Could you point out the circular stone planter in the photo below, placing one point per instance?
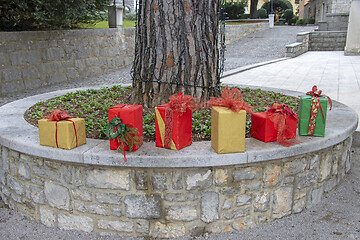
(163, 193)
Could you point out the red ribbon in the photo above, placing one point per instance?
(232, 99)
(169, 118)
(315, 105)
(317, 93)
(57, 116)
(279, 113)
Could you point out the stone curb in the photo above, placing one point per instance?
(17, 134)
(248, 67)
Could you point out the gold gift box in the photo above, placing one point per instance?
(66, 138)
(227, 130)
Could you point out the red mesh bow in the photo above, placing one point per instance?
(58, 115)
(279, 114)
(180, 103)
(232, 99)
(282, 108)
(315, 105)
(317, 93)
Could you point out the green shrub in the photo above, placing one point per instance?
(130, 17)
(294, 19)
(278, 5)
(311, 21)
(262, 13)
(300, 22)
(235, 10)
(18, 15)
(288, 15)
(305, 21)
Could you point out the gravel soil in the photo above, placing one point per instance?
(262, 46)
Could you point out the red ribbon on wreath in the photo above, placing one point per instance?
(179, 103)
(57, 116)
(315, 105)
(279, 113)
(232, 99)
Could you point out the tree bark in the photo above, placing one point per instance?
(253, 9)
(176, 50)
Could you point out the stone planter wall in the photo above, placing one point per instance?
(168, 202)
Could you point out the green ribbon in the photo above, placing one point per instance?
(115, 128)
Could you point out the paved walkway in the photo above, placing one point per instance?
(333, 72)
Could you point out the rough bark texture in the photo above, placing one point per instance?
(253, 9)
(176, 50)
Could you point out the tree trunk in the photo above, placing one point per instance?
(253, 9)
(176, 50)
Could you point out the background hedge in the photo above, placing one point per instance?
(20, 15)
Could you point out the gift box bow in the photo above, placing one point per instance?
(317, 94)
(181, 103)
(279, 114)
(57, 115)
(315, 105)
(232, 99)
(283, 109)
(124, 133)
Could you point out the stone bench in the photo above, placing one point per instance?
(163, 193)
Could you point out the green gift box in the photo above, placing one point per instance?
(304, 116)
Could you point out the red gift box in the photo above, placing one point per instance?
(263, 127)
(130, 115)
(173, 129)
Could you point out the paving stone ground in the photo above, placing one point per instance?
(336, 217)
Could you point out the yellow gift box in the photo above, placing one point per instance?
(227, 130)
(66, 134)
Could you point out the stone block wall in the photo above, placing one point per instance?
(334, 22)
(168, 202)
(327, 41)
(301, 46)
(30, 60)
(235, 32)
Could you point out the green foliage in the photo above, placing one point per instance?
(199, 125)
(288, 15)
(294, 19)
(102, 125)
(149, 125)
(235, 10)
(245, 16)
(278, 5)
(262, 13)
(20, 15)
(130, 17)
(311, 21)
(305, 21)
